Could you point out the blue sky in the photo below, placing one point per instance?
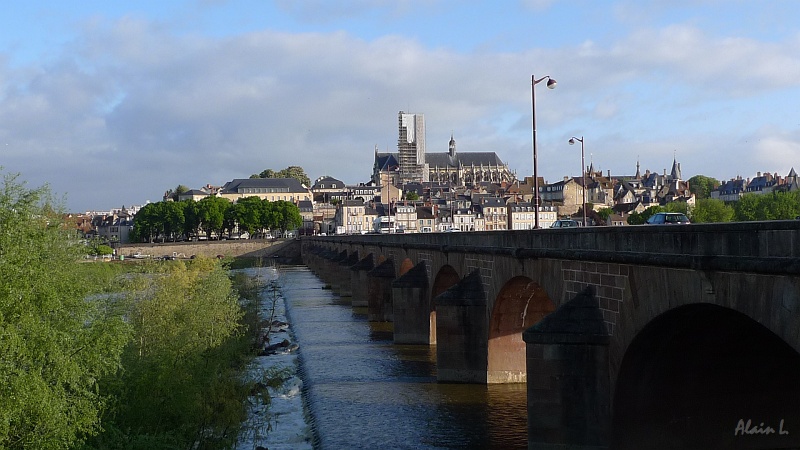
(111, 103)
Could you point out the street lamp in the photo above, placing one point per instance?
(583, 174)
(551, 84)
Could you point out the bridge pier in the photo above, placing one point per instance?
(329, 269)
(342, 282)
(568, 380)
(379, 292)
(412, 307)
(359, 280)
(462, 332)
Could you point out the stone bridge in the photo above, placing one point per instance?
(631, 337)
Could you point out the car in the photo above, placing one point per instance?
(666, 218)
(564, 223)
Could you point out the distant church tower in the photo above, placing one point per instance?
(676, 170)
(411, 147)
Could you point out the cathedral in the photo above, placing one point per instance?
(412, 164)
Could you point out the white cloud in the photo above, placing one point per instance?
(136, 104)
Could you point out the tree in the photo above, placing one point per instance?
(772, 206)
(412, 196)
(701, 186)
(172, 218)
(676, 207)
(295, 172)
(711, 210)
(605, 213)
(147, 223)
(268, 173)
(55, 343)
(178, 374)
(248, 213)
(211, 212)
(746, 209)
(174, 193)
(282, 215)
(191, 219)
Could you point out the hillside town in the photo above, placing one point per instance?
(416, 191)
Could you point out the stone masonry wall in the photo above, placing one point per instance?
(608, 281)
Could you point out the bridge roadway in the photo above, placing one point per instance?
(629, 337)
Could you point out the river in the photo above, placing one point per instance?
(363, 391)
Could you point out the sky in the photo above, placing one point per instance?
(112, 103)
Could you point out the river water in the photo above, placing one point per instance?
(363, 391)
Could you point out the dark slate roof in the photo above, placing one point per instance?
(327, 182)
(466, 159)
(731, 187)
(386, 161)
(305, 205)
(492, 202)
(287, 184)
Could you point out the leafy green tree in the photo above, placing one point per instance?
(295, 172)
(287, 215)
(191, 218)
(147, 223)
(104, 250)
(701, 186)
(177, 387)
(605, 213)
(269, 215)
(412, 196)
(54, 342)
(173, 218)
(211, 212)
(248, 213)
(268, 173)
(747, 208)
(711, 210)
(772, 206)
(676, 207)
(782, 205)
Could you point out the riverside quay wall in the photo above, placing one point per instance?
(287, 250)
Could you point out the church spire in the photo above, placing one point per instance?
(676, 169)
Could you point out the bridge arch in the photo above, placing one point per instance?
(445, 278)
(695, 375)
(520, 304)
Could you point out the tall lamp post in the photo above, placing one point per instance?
(551, 84)
(583, 174)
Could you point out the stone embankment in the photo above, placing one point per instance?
(287, 250)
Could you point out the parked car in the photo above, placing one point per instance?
(665, 218)
(564, 223)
